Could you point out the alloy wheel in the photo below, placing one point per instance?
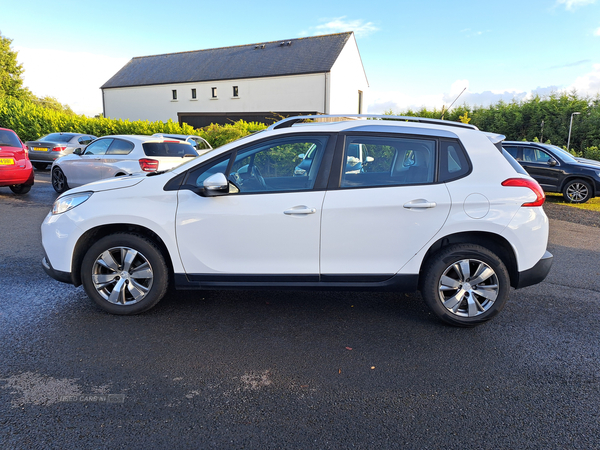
(122, 275)
(468, 288)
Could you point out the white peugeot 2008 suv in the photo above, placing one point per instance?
(438, 206)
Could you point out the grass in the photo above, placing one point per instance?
(591, 205)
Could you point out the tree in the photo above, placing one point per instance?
(11, 83)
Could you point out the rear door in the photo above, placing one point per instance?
(376, 219)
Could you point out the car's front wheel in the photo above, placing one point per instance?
(20, 189)
(465, 284)
(124, 273)
(577, 191)
(59, 180)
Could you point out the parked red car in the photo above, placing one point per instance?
(16, 170)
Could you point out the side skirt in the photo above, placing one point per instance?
(357, 282)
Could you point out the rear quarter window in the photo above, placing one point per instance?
(454, 163)
(172, 149)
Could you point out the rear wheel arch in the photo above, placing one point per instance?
(93, 235)
(493, 242)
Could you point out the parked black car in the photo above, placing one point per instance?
(557, 170)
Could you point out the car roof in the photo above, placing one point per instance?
(143, 138)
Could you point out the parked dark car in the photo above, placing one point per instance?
(49, 148)
(557, 170)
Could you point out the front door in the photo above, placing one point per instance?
(269, 224)
(86, 168)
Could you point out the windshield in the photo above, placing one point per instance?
(56, 137)
(562, 153)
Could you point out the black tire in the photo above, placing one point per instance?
(577, 191)
(125, 274)
(20, 189)
(39, 165)
(59, 180)
(448, 291)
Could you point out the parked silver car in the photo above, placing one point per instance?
(119, 155)
(49, 148)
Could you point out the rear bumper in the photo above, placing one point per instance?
(18, 176)
(537, 273)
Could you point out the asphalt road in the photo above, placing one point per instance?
(294, 370)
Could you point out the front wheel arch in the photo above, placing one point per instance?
(93, 235)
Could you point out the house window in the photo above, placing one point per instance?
(236, 92)
(193, 93)
(360, 102)
(174, 92)
(214, 92)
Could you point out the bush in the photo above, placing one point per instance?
(592, 153)
(31, 120)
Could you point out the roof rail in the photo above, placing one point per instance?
(290, 121)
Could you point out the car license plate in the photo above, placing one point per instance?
(40, 149)
(6, 161)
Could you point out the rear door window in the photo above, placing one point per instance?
(388, 161)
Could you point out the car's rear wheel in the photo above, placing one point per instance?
(465, 284)
(59, 180)
(124, 273)
(20, 189)
(39, 165)
(577, 191)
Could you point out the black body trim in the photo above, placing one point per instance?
(537, 273)
(63, 277)
(380, 282)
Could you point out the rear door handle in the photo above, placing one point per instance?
(420, 204)
(300, 210)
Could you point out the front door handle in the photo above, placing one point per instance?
(420, 204)
(300, 210)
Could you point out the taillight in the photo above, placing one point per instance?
(531, 184)
(58, 149)
(149, 165)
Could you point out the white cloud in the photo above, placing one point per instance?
(589, 83)
(73, 78)
(597, 32)
(572, 4)
(341, 24)
(398, 102)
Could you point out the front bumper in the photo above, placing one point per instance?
(63, 277)
(537, 273)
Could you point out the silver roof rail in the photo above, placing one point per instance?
(290, 121)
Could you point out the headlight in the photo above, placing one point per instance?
(67, 202)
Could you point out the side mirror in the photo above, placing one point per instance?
(369, 159)
(552, 162)
(78, 151)
(215, 185)
(301, 155)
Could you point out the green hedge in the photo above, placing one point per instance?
(31, 121)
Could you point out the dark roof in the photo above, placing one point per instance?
(315, 54)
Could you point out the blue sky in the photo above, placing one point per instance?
(415, 53)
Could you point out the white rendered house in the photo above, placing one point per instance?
(319, 74)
